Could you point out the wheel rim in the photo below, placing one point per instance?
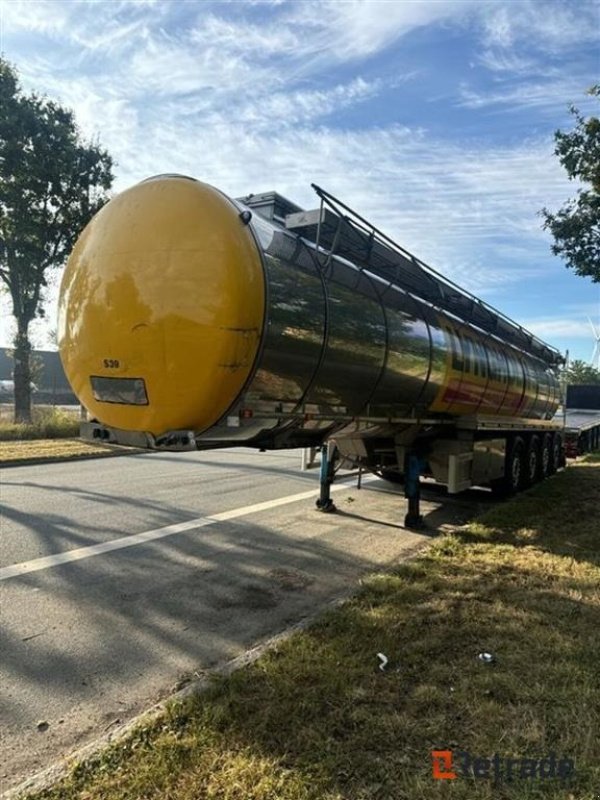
(555, 455)
(532, 464)
(516, 471)
(546, 459)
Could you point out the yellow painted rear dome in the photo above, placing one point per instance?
(161, 307)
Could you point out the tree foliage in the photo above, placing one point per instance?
(576, 226)
(51, 184)
(579, 372)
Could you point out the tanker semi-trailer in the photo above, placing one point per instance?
(191, 320)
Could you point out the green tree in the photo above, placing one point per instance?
(36, 366)
(51, 184)
(576, 226)
(579, 372)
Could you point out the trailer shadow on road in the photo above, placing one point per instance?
(100, 639)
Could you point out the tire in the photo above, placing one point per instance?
(546, 456)
(515, 465)
(533, 461)
(514, 469)
(557, 459)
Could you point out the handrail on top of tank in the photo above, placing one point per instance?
(525, 340)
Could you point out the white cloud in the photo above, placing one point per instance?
(548, 26)
(308, 33)
(532, 51)
(506, 61)
(455, 206)
(356, 29)
(169, 66)
(459, 208)
(325, 31)
(553, 327)
(43, 17)
(245, 38)
(499, 30)
(108, 26)
(543, 95)
(301, 107)
(249, 106)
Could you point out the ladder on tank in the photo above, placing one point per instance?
(337, 230)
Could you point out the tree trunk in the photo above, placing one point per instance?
(22, 373)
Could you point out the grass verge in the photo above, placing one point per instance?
(47, 423)
(316, 719)
(28, 451)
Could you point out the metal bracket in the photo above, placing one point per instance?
(413, 466)
(328, 456)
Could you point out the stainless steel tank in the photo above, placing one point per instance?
(181, 308)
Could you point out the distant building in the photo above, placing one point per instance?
(52, 386)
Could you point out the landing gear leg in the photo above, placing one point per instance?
(328, 454)
(412, 491)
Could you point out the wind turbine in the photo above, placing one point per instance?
(595, 359)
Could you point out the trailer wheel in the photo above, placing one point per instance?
(516, 473)
(556, 460)
(546, 466)
(514, 469)
(533, 461)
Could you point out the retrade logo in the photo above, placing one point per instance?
(447, 765)
(442, 765)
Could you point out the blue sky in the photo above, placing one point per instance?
(433, 119)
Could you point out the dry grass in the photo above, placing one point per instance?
(48, 422)
(12, 452)
(317, 720)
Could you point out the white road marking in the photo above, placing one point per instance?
(79, 553)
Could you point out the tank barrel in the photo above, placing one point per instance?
(257, 321)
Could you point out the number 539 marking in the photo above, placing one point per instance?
(111, 363)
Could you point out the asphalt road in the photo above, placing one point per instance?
(122, 577)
